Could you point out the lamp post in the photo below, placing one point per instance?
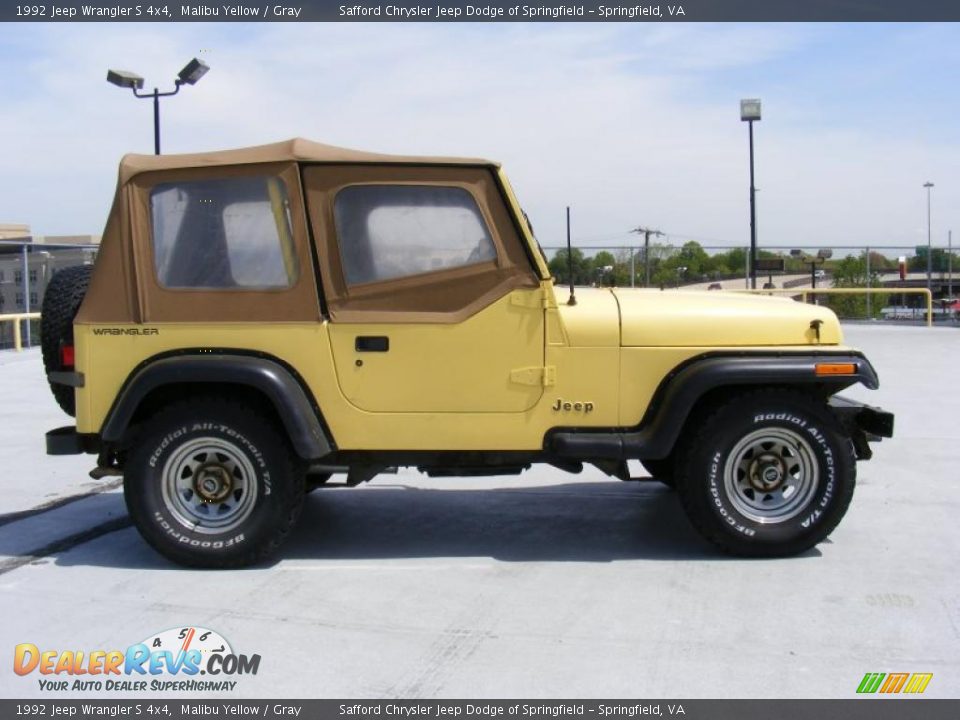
(950, 264)
(189, 75)
(750, 112)
(823, 254)
(820, 258)
(929, 185)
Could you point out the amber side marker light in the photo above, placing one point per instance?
(836, 369)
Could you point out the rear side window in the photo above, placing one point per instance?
(228, 233)
(394, 231)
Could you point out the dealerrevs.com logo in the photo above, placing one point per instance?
(188, 659)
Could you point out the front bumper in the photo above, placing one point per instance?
(864, 423)
(67, 441)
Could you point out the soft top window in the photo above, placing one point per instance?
(225, 233)
(393, 231)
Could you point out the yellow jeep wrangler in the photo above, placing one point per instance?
(259, 318)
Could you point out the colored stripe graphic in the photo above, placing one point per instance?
(894, 683)
(870, 682)
(918, 683)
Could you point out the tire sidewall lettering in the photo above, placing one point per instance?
(252, 451)
(195, 542)
(166, 523)
(816, 509)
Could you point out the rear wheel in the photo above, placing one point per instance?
(770, 473)
(61, 300)
(211, 484)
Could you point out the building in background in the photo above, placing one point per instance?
(22, 285)
(14, 231)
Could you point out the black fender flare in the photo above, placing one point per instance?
(299, 415)
(660, 428)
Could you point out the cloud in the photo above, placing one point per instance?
(629, 124)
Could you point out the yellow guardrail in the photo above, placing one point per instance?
(15, 318)
(807, 292)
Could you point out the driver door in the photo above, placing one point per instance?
(433, 304)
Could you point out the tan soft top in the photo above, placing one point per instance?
(296, 149)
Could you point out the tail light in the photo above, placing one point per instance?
(66, 356)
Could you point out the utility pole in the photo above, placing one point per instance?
(646, 232)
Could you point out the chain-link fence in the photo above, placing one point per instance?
(26, 269)
(703, 267)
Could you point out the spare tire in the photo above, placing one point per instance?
(61, 300)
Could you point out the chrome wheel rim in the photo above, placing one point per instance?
(209, 485)
(771, 475)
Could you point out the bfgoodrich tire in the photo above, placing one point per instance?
(768, 474)
(211, 484)
(61, 300)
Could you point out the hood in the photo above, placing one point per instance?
(655, 318)
(594, 321)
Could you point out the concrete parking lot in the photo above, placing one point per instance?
(543, 585)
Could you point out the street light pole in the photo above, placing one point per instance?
(156, 95)
(753, 217)
(929, 185)
(189, 75)
(750, 112)
(156, 120)
(950, 264)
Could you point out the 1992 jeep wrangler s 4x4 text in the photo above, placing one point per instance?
(257, 318)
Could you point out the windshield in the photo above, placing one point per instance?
(533, 234)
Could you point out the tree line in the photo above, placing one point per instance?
(670, 266)
(690, 263)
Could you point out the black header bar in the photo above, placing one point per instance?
(484, 11)
(874, 708)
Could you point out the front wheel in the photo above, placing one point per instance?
(770, 473)
(212, 484)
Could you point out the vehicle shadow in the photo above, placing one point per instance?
(575, 522)
(572, 522)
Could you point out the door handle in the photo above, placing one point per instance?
(372, 343)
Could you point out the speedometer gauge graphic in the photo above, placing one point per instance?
(184, 639)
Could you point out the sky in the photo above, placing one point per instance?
(629, 124)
